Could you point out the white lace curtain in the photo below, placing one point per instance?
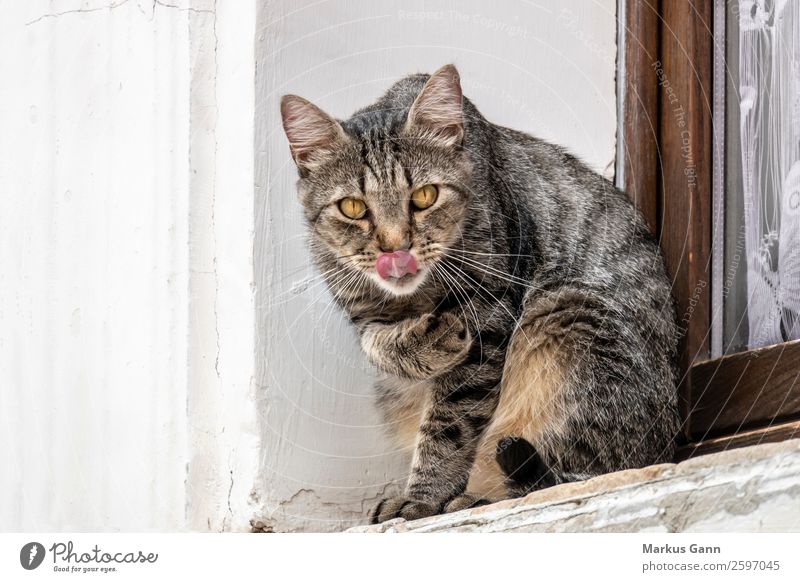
(769, 90)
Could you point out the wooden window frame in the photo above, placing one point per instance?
(667, 112)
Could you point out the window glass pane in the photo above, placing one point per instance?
(761, 284)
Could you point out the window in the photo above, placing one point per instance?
(710, 155)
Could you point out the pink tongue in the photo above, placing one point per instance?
(395, 264)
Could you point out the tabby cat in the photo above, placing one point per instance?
(514, 299)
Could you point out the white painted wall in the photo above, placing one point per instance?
(94, 202)
(126, 309)
(543, 67)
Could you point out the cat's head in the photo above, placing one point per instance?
(386, 191)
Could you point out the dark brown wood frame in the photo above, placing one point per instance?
(667, 149)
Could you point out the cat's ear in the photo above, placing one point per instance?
(437, 111)
(313, 134)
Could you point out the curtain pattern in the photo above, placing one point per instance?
(769, 83)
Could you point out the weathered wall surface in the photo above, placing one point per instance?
(547, 68)
(126, 310)
(755, 489)
(94, 202)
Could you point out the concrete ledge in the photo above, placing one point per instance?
(753, 489)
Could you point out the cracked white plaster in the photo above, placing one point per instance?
(223, 98)
(102, 8)
(106, 7)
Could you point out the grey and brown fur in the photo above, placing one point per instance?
(539, 346)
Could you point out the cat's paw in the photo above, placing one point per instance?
(401, 506)
(444, 333)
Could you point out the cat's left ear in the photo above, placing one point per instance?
(438, 111)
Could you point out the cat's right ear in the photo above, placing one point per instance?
(313, 134)
(437, 111)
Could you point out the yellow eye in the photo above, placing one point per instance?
(424, 197)
(353, 208)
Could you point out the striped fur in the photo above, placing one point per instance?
(541, 315)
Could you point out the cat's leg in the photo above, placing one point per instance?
(444, 454)
(403, 404)
(581, 394)
(460, 407)
(536, 411)
(419, 347)
(464, 391)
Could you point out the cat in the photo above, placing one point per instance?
(514, 299)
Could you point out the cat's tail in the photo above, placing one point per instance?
(525, 469)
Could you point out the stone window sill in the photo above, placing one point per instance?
(752, 489)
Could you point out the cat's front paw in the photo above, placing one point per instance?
(444, 333)
(401, 506)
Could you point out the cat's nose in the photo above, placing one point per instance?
(389, 242)
(390, 248)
